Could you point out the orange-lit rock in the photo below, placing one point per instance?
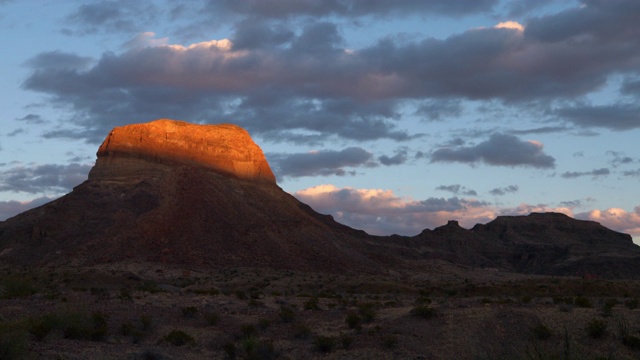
(140, 149)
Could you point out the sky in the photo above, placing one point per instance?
(392, 116)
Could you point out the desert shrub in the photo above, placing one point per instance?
(263, 323)
(390, 341)
(13, 287)
(150, 286)
(178, 338)
(346, 340)
(596, 328)
(241, 295)
(211, 318)
(582, 302)
(249, 344)
(248, 330)
(541, 332)
(229, 348)
(526, 299)
(189, 311)
(424, 311)
(146, 322)
(125, 295)
(263, 350)
(312, 304)
(287, 314)
(81, 326)
(41, 327)
(324, 344)
(367, 312)
(301, 331)
(13, 340)
(631, 304)
(632, 341)
(353, 321)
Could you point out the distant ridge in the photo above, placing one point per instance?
(171, 192)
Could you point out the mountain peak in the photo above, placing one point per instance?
(145, 148)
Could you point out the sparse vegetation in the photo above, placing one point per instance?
(178, 338)
(596, 328)
(324, 344)
(424, 311)
(541, 332)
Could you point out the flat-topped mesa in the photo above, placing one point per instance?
(145, 148)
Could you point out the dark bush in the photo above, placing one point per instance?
(541, 332)
(324, 344)
(178, 338)
(424, 312)
(596, 328)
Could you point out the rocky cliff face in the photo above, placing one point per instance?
(142, 149)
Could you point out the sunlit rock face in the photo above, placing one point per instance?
(141, 149)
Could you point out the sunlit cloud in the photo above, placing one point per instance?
(513, 25)
(616, 218)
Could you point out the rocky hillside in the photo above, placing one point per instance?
(204, 195)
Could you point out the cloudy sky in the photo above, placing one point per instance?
(393, 116)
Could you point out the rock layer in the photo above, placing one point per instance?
(140, 149)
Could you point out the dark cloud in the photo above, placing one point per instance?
(57, 60)
(618, 158)
(614, 117)
(111, 16)
(631, 87)
(500, 150)
(571, 203)
(38, 179)
(439, 109)
(504, 190)
(633, 173)
(320, 163)
(32, 119)
(251, 34)
(457, 189)
(540, 130)
(518, 8)
(282, 9)
(594, 173)
(274, 81)
(398, 159)
(11, 208)
(16, 132)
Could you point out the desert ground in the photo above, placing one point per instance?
(151, 311)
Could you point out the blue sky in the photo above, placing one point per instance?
(393, 116)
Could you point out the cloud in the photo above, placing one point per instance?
(457, 189)
(32, 119)
(111, 16)
(615, 218)
(398, 159)
(11, 208)
(59, 61)
(617, 117)
(499, 150)
(619, 158)
(540, 130)
(504, 190)
(381, 212)
(274, 79)
(633, 173)
(320, 163)
(594, 173)
(435, 110)
(48, 178)
(279, 9)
